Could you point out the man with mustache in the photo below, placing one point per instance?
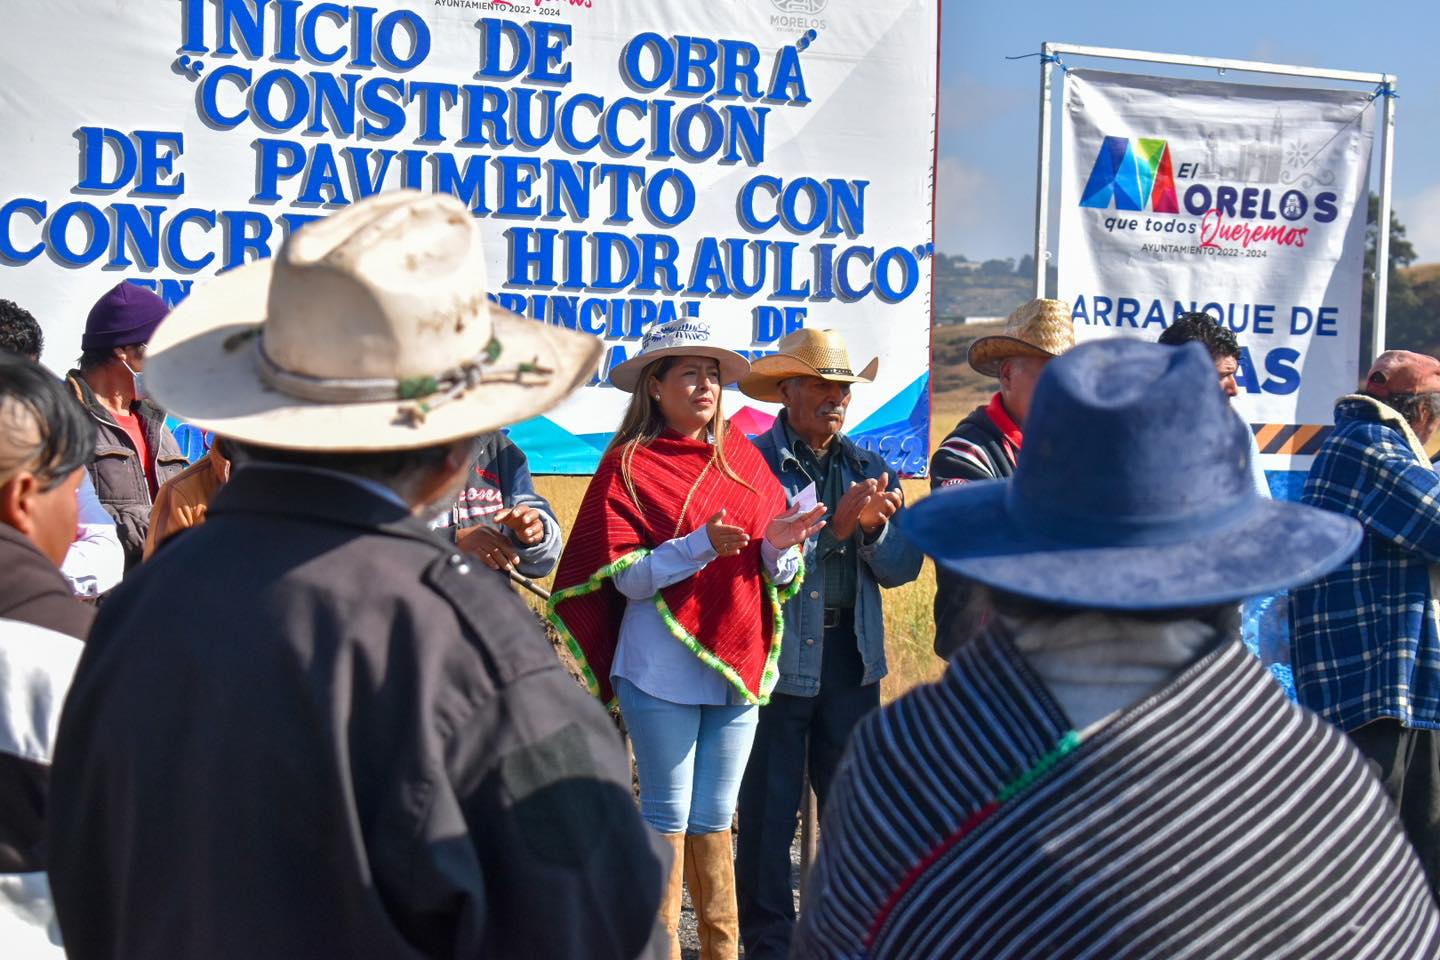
(833, 654)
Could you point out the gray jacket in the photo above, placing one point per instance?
(117, 472)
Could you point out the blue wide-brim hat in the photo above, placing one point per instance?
(1133, 491)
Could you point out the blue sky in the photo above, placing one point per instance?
(989, 106)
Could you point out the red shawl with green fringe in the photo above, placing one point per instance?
(728, 614)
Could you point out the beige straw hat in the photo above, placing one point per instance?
(805, 353)
(1040, 328)
(369, 330)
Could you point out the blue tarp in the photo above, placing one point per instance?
(1265, 621)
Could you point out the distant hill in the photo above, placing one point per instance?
(1413, 311)
(957, 388)
(965, 289)
(1423, 273)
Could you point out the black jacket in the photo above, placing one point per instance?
(310, 728)
(976, 449)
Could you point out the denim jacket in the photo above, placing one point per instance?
(888, 561)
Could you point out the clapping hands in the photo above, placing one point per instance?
(786, 531)
(867, 505)
(727, 539)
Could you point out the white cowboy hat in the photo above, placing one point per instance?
(369, 330)
(678, 338)
(807, 352)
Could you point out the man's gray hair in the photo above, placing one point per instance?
(1412, 405)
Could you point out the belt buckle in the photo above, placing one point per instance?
(832, 617)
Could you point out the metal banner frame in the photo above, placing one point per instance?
(1384, 82)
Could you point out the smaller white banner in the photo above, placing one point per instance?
(1243, 201)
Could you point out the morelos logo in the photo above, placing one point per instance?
(1143, 175)
(1132, 176)
(806, 7)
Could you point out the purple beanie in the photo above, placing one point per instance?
(126, 314)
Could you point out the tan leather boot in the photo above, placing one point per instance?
(674, 887)
(710, 875)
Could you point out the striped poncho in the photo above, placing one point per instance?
(727, 614)
(1213, 819)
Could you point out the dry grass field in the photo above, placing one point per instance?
(909, 621)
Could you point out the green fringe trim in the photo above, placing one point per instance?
(1067, 745)
(769, 677)
(597, 579)
(778, 597)
(791, 588)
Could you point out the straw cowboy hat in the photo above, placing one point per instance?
(1040, 328)
(1133, 493)
(678, 338)
(369, 330)
(805, 353)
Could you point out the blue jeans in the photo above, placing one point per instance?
(690, 759)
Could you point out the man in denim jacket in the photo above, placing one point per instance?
(833, 653)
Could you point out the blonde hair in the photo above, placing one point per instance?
(644, 420)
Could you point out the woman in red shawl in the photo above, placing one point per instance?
(669, 595)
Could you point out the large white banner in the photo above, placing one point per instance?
(758, 165)
(1247, 202)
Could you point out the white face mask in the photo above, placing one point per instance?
(139, 379)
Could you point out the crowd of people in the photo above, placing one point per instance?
(283, 701)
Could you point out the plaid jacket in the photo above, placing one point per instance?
(1366, 642)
